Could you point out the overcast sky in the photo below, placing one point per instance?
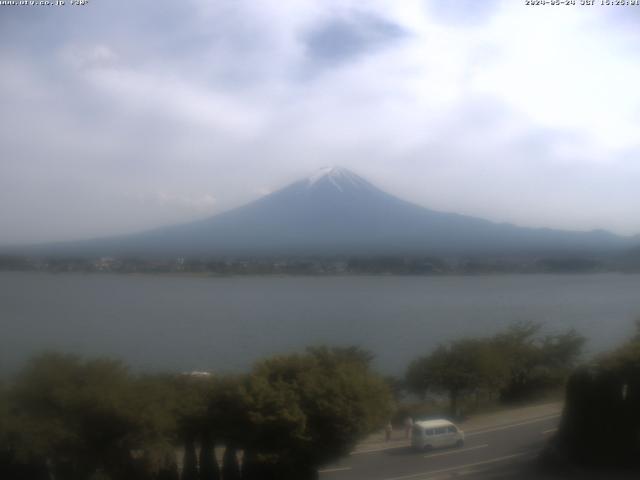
(119, 116)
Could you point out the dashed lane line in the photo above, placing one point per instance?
(381, 449)
(431, 455)
(459, 450)
(429, 474)
(331, 470)
(512, 425)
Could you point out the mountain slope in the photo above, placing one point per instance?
(338, 212)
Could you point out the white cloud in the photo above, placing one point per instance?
(176, 99)
(537, 104)
(205, 202)
(88, 56)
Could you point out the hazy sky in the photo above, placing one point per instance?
(118, 116)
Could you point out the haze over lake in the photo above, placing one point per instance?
(225, 324)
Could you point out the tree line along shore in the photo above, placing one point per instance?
(71, 418)
(340, 265)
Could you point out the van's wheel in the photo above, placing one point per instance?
(459, 443)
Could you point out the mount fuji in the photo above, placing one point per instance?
(336, 212)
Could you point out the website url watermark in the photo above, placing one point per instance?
(42, 3)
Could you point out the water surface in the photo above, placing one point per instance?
(224, 324)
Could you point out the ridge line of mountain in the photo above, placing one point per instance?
(337, 212)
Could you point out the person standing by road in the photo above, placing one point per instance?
(387, 432)
(408, 425)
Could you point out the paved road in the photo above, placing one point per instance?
(503, 448)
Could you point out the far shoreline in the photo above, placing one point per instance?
(205, 275)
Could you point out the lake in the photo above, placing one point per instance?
(225, 324)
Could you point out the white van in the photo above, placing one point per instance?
(429, 434)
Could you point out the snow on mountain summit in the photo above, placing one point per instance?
(340, 178)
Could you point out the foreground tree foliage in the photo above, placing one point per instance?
(536, 362)
(515, 364)
(600, 426)
(209, 469)
(77, 417)
(71, 419)
(301, 411)
(460, 368)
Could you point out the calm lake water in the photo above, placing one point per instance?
(224, 324)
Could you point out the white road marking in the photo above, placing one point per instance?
(459, 450)
(551, 430)
(381, 449)
(459, 467)
(511, 425)
(331, 470)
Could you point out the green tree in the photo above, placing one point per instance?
(536, 362)
(302, 411)
(73, 419)
(518, 363)
(600, 424)
(189, 460)
(208, 463)
(417, 377)
(167, 468)
(193, 394)
(347, 355)
(460, 368)
(230, 465)
(77, 414)
(156, 399)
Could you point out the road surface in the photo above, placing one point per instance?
(500, 450)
